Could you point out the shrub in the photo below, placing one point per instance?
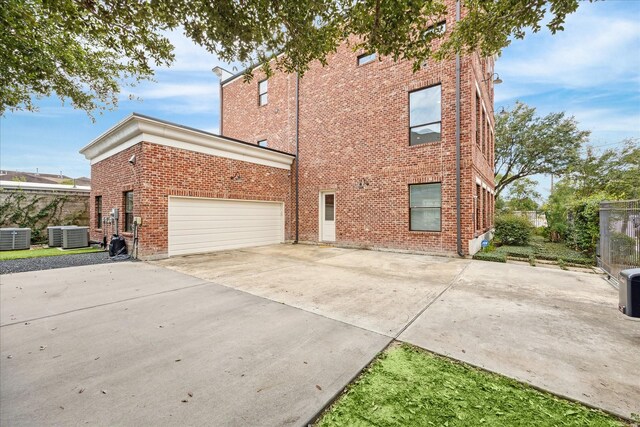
(579, 261)
(490, 256)
(584, 228)
(622, 246)
(513, 230)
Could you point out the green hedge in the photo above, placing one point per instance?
(517, 251)
(490, 256)
(513, 230)
(546, 251)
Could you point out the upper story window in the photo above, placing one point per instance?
(263, 143)
(425, 115)
(366, 58)
(262, 92)
(128, 211)
(437, 29)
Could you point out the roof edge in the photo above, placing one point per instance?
(137, 128)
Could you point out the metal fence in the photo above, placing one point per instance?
(536, 218)
(619, 247)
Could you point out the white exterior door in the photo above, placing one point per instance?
(205, 225)
(328, 217)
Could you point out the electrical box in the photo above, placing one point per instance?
(137, 220)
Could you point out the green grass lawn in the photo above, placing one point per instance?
(42, 252)
(407, 386)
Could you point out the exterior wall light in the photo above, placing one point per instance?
(496, 81)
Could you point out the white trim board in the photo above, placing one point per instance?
(43, 186)
(136, 129)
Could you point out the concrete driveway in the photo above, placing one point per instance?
(136, 344)
(377, 291)
(557, 330)
(267, 336)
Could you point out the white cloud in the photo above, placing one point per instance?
(594, 49)
(608, 120)
(183, 90)
(191, 57)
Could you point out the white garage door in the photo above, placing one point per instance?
(205, 225)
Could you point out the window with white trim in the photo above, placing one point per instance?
(263, 96)
(366, 58)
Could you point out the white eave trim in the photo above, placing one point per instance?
(136, 129)
(42, 186)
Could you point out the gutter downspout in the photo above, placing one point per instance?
(221, 105)
(297, 157)
(458, 190)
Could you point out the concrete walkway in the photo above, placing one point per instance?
(136, 344)
(555, 329)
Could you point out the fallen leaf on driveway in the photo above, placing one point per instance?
(190, 394)
(318, 387)
(42, 347)
(80, 391)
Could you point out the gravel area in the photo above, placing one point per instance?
(50, 262)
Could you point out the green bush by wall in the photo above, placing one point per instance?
(513, 230)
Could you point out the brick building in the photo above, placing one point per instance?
(381, 161)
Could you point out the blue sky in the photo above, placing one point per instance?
(591, 71)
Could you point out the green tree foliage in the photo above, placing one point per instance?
(513, 230)
(556, 211)
(572, 210)
(527, 144)
(80, 50)
(83, 49)
(615, 171)
(523, 195)
(584, 223)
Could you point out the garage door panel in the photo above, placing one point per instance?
(197, 247)
(255, 231)
(223, 236)
(187, 220)
(203, 225)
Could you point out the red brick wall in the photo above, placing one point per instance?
(162, 171)
(354, 123)
(274, 121)
(110, 178)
